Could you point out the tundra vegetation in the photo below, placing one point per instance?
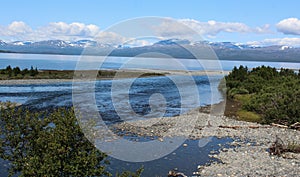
(265, 95)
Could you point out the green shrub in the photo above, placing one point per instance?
(275, 95)
(49, 144)
(234, 91)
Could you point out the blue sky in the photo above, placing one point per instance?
(255, 22)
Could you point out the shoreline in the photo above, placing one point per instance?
(248, 157)
(122, 74)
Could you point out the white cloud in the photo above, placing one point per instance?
(55, 30)
(293, 42)
(170, 28)
(72, 29)
(110, 38)
(289, 26)
(211, 28)
(182, 28)
(64, 31)
(18, 27)
(15, 29)
(137, 42)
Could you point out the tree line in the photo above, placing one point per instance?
(16, 71)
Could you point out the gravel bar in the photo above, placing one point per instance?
(249, 157)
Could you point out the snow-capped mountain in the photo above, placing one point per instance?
(2, 43)
(83, 43)
(217, 45)
(162, 43)
(52, 43)
(21, 42)
(285, 47)
(57, 43)
(173, 42)
(231, 45)
(172, 47)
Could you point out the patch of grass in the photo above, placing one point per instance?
(293, 147)
(248, 116)
(279, 147)
(244, 98)
(236, 91)
(234, 107)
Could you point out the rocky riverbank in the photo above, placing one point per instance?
(249, 157)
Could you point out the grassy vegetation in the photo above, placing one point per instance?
(243, 114)
(248, 116)
(293, 147)
(279, 147)
(264, 94)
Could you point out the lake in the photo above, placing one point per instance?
(47, 96)
(68, 62)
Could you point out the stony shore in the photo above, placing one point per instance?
(249, 157)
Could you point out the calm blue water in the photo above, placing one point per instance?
(184, 159)
(65, 62)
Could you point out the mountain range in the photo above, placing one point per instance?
(176, 48)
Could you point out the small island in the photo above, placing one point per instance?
(15, 73)
(16, 76)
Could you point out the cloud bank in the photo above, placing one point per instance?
(277, 41)
(182, 28)
(19, 30)
(16, 28)
(289, 26)
(209, 29)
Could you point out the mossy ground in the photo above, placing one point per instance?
(234, 108)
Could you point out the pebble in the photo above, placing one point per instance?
(160, 139)
(224, 149)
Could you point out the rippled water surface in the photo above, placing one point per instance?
(138, 96)
(45, 96)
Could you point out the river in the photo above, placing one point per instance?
(46, 96)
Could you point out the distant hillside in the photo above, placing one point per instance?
(173, 47)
